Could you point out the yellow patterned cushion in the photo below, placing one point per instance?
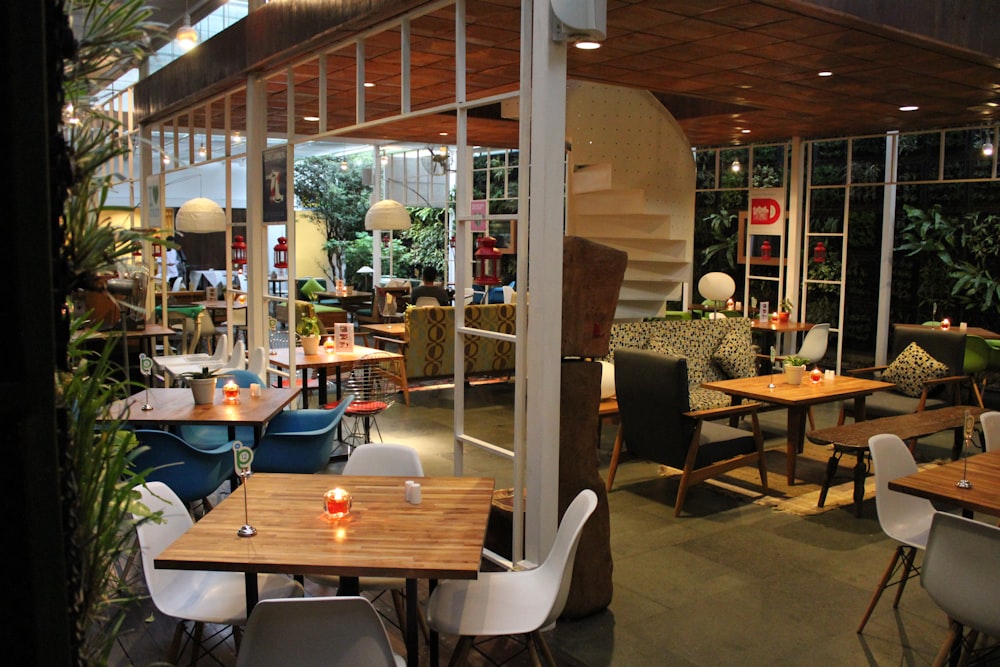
(912, 368)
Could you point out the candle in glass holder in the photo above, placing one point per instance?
(231, 392)
(329, 345)
(816, 375)
(946, 324)
(337, 503)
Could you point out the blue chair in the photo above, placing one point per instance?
(299, 440)
(193, 473)
(210, 437)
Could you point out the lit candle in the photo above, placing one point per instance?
(946, 324)
(329, 345)
(816, 375)
(231, 392)
(337, 503)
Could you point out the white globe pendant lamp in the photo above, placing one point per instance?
(200, 216)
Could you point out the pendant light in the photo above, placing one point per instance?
(187, 36)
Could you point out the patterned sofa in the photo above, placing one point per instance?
(429, 347)
(717, 349)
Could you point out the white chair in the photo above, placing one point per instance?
(961, 576)
(258, 363)
(815, 343)
(903, 518)
(426, 301)
(237, 358)
(991, 431)
(508, 294)
(387, 460)
(312, 632)
(513, 603)
(193, 595)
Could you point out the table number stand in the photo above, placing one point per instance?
(146, 368)
(964, 483)
(242, 458)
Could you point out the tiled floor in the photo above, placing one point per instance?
(728, 583)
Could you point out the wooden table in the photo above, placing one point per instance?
(853, 438)
(776, 330)
(396, 331)
(798, 398)
(322, 362)
(175, 405)
(938, 484)
(441, 538)
(969, 331)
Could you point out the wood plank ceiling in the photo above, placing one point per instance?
(730, 71)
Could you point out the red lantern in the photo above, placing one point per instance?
(765, 249)
(281, 253)
(819, 253)
(239, 248)
(487, 268)
(157, 248)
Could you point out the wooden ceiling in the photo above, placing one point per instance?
(730, 71)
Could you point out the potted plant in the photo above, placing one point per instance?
(309, 330)
(784, 309)
(794, 367)
(202, 385)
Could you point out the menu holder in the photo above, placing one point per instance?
(343, 336)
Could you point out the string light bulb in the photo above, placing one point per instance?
(736, 166)
(987, 149)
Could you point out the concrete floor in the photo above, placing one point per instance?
(727, 583)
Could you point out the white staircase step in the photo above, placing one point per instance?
(612, 202)
(591, 178)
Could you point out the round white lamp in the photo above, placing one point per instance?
(717, 286)
(387, 215)
(200, 216)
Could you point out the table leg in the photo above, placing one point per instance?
(321, 379)
(831, 472)
(251, 591)
(412, 629)
(859, 482)
(433, 635)
(796, 437)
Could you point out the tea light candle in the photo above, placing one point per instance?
(231, 392)
(255, 390)
(337, 503)
(816, 375)
(829, 375)
(329, 345)
(945, 324)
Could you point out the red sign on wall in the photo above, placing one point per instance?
(767, 210)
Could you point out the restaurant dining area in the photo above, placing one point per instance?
(493, 332)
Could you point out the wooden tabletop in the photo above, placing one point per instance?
(969, 331)
(909, 426)
(779, 327)
(938, 483)
(394, 329)
(808, 393)
(441, 538)
(175, 405)
(280, 357)
(219, 304)
(150, 329)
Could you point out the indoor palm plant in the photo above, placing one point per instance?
(97, 452)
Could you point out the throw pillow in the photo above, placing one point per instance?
(310, 288)
(735, 356)
(912, 368)
(697, 365)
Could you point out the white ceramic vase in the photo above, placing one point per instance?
(310, 344)
(203, 390)
(793, 374)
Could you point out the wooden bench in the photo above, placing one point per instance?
(853, 438)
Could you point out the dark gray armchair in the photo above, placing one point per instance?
(657, 424)
(947, 347)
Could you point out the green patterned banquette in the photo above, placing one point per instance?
(430, 332)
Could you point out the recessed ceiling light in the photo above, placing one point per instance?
(745, 131)
(369, 84)
(911, 107)
(825, 73)
(992, 104)
(311, 119)
(442, 134)
(587, 46)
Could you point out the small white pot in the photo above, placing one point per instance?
(793, 374)
(203, 390)
(310, 344)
